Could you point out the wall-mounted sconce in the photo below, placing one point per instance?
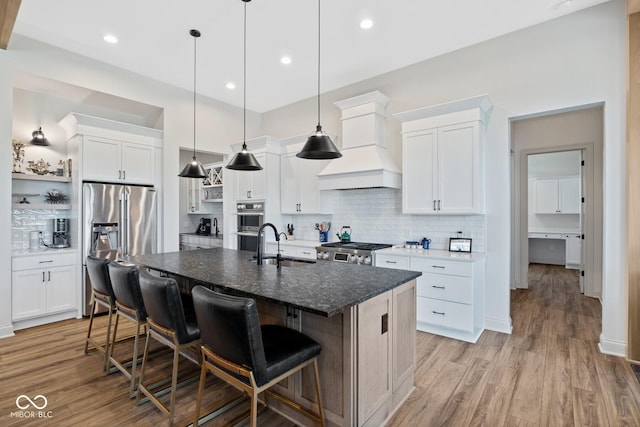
(39, 138)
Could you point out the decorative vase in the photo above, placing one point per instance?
(18, 156)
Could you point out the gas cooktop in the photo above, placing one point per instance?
(357, 245)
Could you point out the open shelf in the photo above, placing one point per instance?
(34, 177)
(51, 206)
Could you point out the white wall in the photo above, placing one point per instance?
(575, 60)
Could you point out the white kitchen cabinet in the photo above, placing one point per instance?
(290, 249)
(573, 248)
(42, 286)
(450, 292)
(252, 184)
(109, 160)
(299, 187)
(201, 193)
(443, 158)
(190, 242)
(557, 195)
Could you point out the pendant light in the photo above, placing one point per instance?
(244, 160)
(194, 168)
(38, 138)
(319, 146)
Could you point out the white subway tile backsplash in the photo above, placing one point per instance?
(24, 221)
(375, 215)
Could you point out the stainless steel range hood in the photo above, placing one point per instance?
(365, 162)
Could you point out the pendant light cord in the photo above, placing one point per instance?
(318, 64)
(195, 38)
(244, 81)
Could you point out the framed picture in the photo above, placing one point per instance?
(457, 244)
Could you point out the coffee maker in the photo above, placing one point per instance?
(204, 227)
(60, 233)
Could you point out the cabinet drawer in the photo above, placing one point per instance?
(444, 313)
(445, 287)
(306, 253)
(42, 261)
(392, 261)
(441, 266)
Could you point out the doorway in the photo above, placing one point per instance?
(573, 130)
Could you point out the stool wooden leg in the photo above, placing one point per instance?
(134, 359)
(144, 363)
(254, 407)
(316, 378)
(174, 384)
(203, 376)
(107, 343)
(93, 309)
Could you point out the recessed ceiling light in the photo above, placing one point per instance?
(110, 38)
(231, 85)
(366, 23)
(286, 60)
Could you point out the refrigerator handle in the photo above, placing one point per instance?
(121, 224)
(127, 212)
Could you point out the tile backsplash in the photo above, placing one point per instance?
(24, 221)
(375, 215)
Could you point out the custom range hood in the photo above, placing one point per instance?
(365, 162)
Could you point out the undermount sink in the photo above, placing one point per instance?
(286, 262)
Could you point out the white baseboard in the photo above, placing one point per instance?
(614, 348)
(6, 331)
(498, 325)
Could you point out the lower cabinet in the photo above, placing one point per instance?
(449, 296)
(292, 250)
(573, 251)
(43, 288)
(190, 242)
(367, 362)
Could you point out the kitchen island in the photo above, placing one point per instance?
(364, 318)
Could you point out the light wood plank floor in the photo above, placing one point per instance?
(549, 372)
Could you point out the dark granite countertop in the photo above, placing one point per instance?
(325, 288)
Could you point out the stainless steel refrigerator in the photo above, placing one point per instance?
(117, 220)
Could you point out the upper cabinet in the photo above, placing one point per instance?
(443, 157)
(299, 185)
(252, 184)
(202, 193)
(109, 151)
(557, 195)
(117, 161)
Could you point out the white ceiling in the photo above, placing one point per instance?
(154, 38)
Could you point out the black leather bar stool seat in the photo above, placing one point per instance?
(172, 322)
(129, 304)
(248, 356)
(101, 295)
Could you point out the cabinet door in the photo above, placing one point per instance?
(569, 195)
(309, 185)
(252, 184)
(458, 169)
(137, 163)
(27, 294)
(404, 332)
(101, 159)
(289, 184)
(59, 289)
(374, 354)
(545, 196)
(193, 195)
(419, 173)
(573, 245)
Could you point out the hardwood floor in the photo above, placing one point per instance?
(549, 372)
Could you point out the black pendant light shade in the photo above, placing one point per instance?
(194, 168)
(244, 160)
(39, 138)
(319, 146)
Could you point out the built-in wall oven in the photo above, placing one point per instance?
(250, 218)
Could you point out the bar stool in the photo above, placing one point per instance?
(248, 356)
(172, 322)
(101, 295)
(129, 304)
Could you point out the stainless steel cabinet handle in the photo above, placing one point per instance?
(434, 205)
(43, 276)
(306, 253)
(437, 266)
(45, 262)
(48, 276)
(437, 287)
(391, 262)
(439, 205)
(124, 174)
(438, 312)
